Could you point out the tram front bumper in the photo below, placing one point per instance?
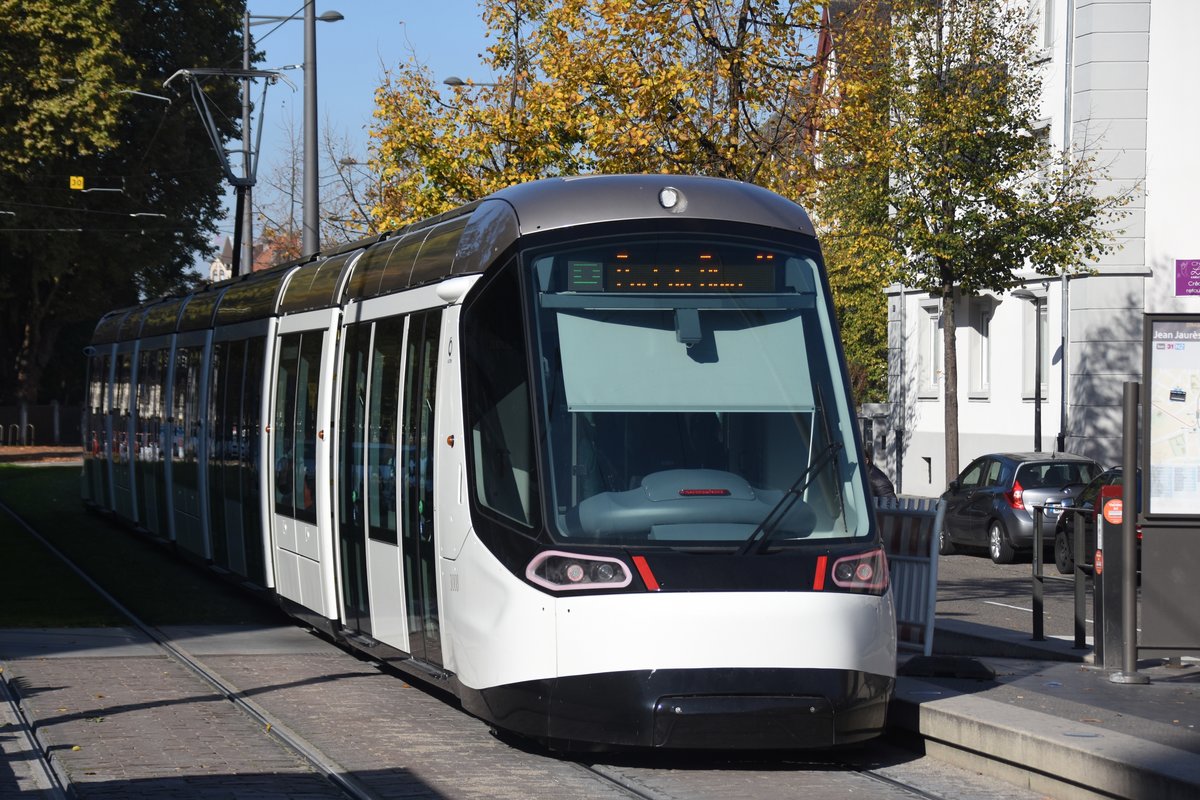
(734, 709)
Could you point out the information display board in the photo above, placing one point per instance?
(1171, 406)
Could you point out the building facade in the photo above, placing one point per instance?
(1121, 84)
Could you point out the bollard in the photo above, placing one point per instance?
(1128, 564)
(1039, 548)
(1080, 588)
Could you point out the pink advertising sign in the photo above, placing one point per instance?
(1187, 277)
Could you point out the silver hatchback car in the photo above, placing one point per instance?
(991, 502)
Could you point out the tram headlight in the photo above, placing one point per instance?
(561, 571)
(864, 572)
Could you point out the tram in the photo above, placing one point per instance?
(581, 452)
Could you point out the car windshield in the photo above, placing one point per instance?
(688, 383)
(1054, 474)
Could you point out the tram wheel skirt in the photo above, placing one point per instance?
(730, 709)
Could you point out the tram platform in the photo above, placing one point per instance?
(1040, 714)
(114, 712)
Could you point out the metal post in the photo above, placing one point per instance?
(1039, 547)
(1128, 565)
(311, 234)
(1080, 586)
(1037, 375)
(1060, 443)
(244, 261)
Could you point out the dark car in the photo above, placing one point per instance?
(1064, 532)
(991, 502)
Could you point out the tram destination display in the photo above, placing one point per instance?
(706, 274)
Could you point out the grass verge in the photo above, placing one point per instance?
(143, 575)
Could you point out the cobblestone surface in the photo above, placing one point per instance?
(145, 727)
(136, 726)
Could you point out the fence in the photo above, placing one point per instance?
(909, 527)
(40, 424)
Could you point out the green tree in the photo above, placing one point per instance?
(91, 75)
(934, 172)
(59, 61)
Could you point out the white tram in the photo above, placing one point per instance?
(581, 451)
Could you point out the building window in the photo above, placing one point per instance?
(929, 359)
(981, 353)
(1028, 345)
(1047, 26)
(1039, 15)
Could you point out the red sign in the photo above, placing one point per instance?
(1113, 510)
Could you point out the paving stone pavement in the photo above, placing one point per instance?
(124, 721)
(397, 739)
(129, 727)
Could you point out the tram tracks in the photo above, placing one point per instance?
(646, 777)
(41, 772)
(280, 732)
(777, 778)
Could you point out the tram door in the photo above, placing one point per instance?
(150, 450)
(122, 470)
(187, 442)
(385, 478)
(96, 436)
(416, 506)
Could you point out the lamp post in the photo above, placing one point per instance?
(311, 199)
(1025, 294)
(456, 82)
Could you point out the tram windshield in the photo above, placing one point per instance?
(685, 386)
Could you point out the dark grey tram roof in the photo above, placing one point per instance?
(460, 242)
(561, 202)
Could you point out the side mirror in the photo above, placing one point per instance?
(954, 486)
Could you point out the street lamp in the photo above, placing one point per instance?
(311, 197)
(456, 82)
(1025, 294)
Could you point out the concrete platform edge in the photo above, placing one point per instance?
(1078, 754)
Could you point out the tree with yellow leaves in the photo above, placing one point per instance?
(727, 88)
(713, 87)
(934, 172)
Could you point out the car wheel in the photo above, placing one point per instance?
(1063, 558)
(998, 547)
(945, 546)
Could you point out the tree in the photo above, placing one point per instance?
(706, 87)
(59, 61)
(87, 100)
(934, 171)
(346, 188)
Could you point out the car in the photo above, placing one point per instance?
(1064, 531)
(990, 504)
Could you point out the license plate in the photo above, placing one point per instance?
(1052, 509)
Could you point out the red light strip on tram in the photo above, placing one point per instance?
(647, 576)
(819, 578)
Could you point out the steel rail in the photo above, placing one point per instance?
(327, 767)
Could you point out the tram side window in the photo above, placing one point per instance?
(296, 425)
(285, 410)
(498, 408)
(120, 408)
(384, 404)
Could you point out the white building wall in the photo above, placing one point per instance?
(1131, 104)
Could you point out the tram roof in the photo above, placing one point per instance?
(562, 202)
(462, 241)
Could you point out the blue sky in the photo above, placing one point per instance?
(352, 54)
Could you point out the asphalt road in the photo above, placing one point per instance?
(973, 589)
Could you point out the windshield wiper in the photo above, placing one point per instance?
(755, 541)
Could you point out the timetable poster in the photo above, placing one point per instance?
(1173, 414)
